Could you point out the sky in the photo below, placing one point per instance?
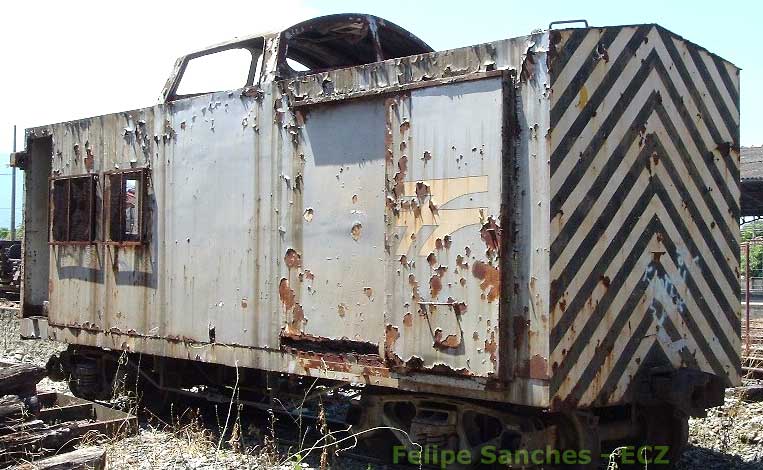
(68, 60)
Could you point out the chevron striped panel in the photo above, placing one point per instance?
(644, 211)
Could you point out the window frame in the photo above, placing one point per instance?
(93, 181)
(141, 212)
(255, 45)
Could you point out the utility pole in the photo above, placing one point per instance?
(13, 191)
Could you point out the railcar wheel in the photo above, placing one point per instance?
(493, 437)
(578, 432)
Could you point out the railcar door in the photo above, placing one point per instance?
(444, 184)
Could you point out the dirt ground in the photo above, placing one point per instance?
(730, 437)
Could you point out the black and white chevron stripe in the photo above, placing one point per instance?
(644, 211)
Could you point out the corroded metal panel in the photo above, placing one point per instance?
(338, 263)
(644, 216)
(444, 197)
(275, 229)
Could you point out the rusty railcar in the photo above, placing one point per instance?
(540, 230)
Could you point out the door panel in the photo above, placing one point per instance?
(444, 147)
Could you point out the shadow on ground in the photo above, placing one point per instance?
(696, 458)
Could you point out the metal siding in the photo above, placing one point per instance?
(445, 196)
(644, 208)
(232, 176)
(340, 277)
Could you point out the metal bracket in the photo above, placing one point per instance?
(553, 23)
(19, 160)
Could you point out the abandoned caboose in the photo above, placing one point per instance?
(531, 242)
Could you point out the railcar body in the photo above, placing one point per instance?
(548, 221)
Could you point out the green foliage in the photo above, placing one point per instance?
(5, 233)
(751, 231)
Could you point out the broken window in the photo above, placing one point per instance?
(73, 209)
(227, 69)
(126, 205)
(339, 41)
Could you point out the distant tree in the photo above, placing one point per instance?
(5, 233)
(751, 231)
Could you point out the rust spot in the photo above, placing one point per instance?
(656, 255)
(450, 341)
(244, 303)
(528, 67)
(491, 235)
(724, 148)
(604, 281)
(89, 159)
(490, 277)
(342, 310)
(292, 258)
(402, 165)
(655, 158)
(422, 190)
(309, 275)
(392, 334)
(405, 125)
(354, 198)
(368, 291)
(460, 262)
(416, 214)
(438, 244)
(414, 287)
(398, 189)
(297, 319)
(435, 285)
(441, 271)
(432, 259)
(404, 260)
(538, 367)
(427, 156)
(433, 208)
(356, 230)
(447, 241)
(408, 319)
(491, 347)
(467, 251)
(563, 305)
(602, 53)
(286, 294)
(462, 282)
(459, 308)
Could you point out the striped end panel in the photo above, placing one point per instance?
(644, 212)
